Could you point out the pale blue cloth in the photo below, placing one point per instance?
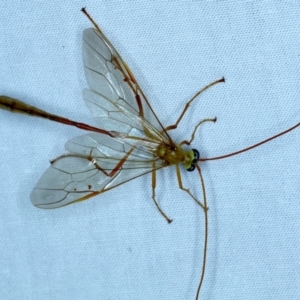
(117, 245)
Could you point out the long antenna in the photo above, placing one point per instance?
(253, 146)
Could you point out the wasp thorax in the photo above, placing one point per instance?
(161, 152)
(174, 156)
(171, 154)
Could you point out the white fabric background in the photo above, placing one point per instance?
(117, 246)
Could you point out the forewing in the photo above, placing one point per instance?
(113, 91)
(95, 163)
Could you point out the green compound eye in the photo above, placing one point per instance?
(196, 155)
(195, 158)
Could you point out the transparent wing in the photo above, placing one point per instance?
(114, 92)
(95, 163)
